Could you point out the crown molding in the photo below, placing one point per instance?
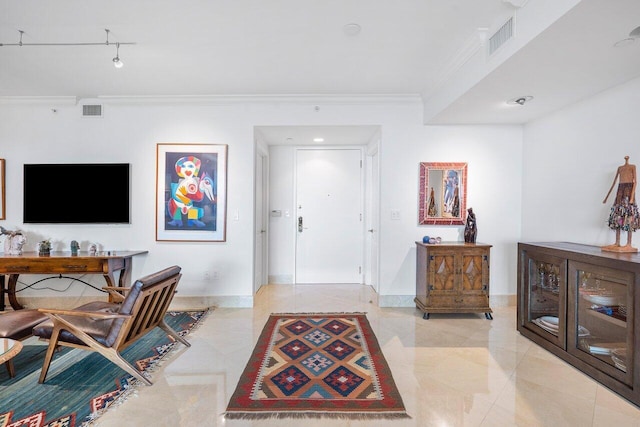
(38, 100)
(296, 99)
(302, 99)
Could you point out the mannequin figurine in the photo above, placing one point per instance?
(624, 212)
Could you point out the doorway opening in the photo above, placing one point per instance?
(281, 205)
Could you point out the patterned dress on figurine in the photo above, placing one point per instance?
(624, 215)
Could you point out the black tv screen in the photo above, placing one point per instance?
(76, 193)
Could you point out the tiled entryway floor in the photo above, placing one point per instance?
(452, 370)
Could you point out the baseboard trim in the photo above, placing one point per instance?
(179, 303)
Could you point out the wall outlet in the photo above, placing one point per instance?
(210, 275)
(395, 214)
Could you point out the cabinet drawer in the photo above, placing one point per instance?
(466, 301)
(58, 265)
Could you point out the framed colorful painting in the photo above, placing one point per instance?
(191, 192)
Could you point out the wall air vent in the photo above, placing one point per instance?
(501, 36)
(92, 110)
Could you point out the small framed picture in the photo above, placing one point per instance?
(191, 192)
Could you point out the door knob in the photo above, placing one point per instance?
(300, 224)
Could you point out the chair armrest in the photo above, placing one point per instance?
(118, 293)
(117, 288)
(91, 314)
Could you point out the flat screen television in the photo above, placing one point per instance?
(76, 193)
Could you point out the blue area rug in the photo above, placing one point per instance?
(80, 384)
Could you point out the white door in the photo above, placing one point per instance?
(260, 256)
(329, 242)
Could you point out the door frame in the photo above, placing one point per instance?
(261, 253)
(372, 216)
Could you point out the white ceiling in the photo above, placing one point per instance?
(294, 47)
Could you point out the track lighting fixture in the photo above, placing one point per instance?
(116, 61)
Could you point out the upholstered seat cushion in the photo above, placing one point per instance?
(19, 324)
(97, 328)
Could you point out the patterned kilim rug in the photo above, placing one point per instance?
(316, 365)
(81, 385)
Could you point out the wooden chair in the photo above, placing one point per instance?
(110, 327)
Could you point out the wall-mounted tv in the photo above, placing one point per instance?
(76, 193)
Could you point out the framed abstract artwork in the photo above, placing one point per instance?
(443, 193)
(191, 192)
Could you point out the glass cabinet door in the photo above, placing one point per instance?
(545, 296)
(599, 308)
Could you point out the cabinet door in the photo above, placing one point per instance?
(442, 273)
(599, 318)
(474, 272)
(544, 294)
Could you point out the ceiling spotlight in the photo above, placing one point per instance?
(521, 100)
(116, 61)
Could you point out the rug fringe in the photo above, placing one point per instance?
(337, 313)
(315, 415)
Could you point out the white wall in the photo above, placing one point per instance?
(493, 154)
(129, 132)
(570, 161)
(281, 228)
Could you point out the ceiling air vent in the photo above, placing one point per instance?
(92, 110)
(501, 36)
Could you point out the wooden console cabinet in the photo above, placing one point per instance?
(452, 277)
(578, 302)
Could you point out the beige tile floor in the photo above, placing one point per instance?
(451, 370)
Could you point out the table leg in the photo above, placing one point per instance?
(11, 290)
(125, 273)
(10, 369)
(124, 280)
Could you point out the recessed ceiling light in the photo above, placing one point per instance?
(521, 100)
(318, 139)
(352, 29)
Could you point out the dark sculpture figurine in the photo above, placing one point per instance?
(470, 229)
